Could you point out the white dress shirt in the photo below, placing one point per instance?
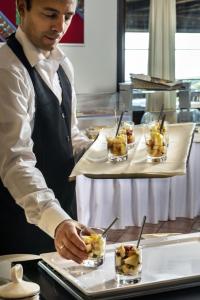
(17, 108)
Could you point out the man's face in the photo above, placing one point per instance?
(47, 21)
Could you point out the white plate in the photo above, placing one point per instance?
(97, 155)
(98, 151)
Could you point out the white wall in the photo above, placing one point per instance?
(95, 62)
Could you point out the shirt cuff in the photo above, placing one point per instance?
(51, 218)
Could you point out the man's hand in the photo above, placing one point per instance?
(68, 242)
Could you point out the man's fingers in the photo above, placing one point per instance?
(68, 242)
(79, 253)
(74, 239)
(66, 253)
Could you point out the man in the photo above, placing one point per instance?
(38, 134)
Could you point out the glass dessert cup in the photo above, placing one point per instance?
(127, 128)
(117, 148)
(156, 148)
(128, 264)
(95, 246)
(155, 127)
(156, 141)
(92, 132)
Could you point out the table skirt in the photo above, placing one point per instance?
(99, 201)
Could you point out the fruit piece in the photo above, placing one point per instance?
(88, 247)
(121, 250)
(127, 270)
(118, 261)
(87, 239)
(157, 138)
(132, 260)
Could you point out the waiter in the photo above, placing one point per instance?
(39, 135)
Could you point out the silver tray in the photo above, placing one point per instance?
(169, 263)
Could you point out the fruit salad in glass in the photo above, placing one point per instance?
(156, 127)
(128, 129)
(128, 263)
(156, 140)
(95, 247)
(117, 147)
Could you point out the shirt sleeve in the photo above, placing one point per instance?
(18, 170)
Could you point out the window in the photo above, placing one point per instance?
(187, 40)
(136, 53)
(136, 36)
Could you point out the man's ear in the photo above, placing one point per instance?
(21, 6)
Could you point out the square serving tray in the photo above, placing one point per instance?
(169, 263)
(94, 163)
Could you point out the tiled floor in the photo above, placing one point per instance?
(180, 225)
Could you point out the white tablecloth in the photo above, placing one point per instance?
(99, 201)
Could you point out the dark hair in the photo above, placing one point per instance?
(28, 4)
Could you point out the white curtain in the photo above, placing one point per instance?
(161, 61)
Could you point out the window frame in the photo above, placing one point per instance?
(120, 41)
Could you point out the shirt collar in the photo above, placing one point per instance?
(35, 55)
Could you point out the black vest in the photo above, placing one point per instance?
(53, 150)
